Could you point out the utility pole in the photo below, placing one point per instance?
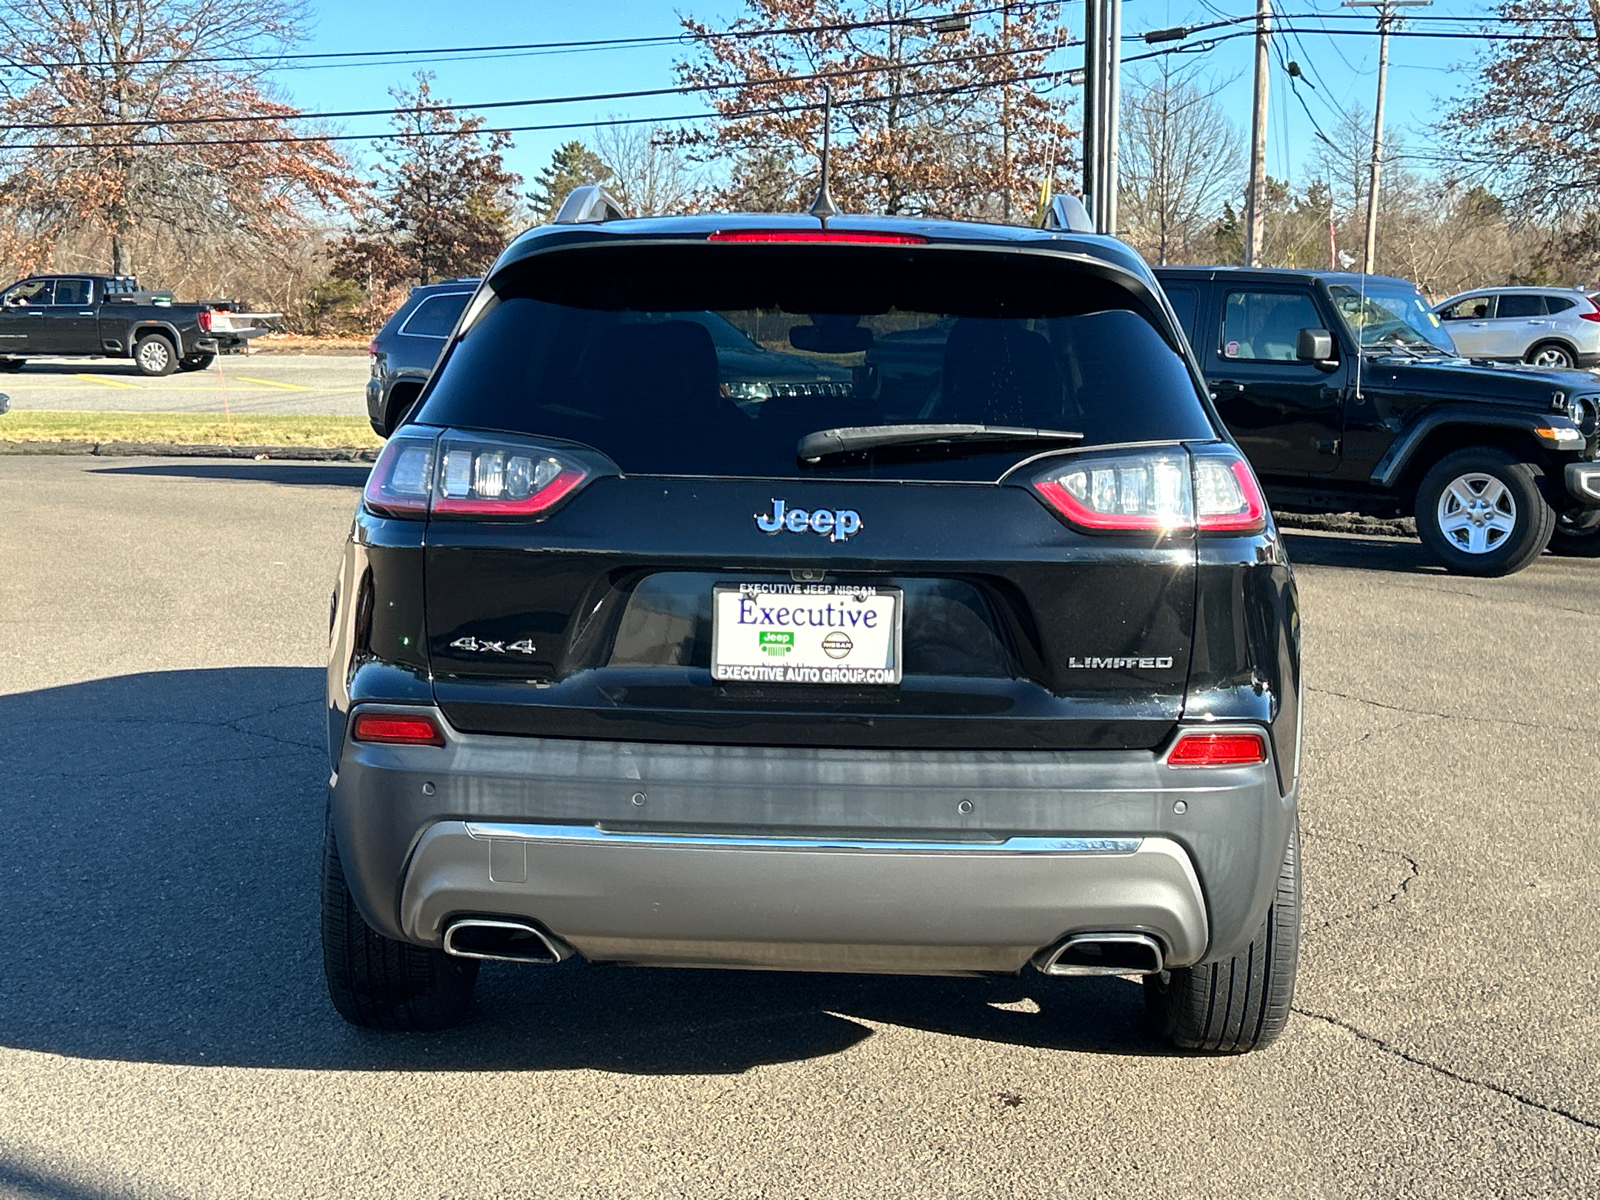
(1386, 20)
(1255, 203)
(1102, 93)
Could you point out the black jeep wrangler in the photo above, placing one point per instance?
(1347, 395)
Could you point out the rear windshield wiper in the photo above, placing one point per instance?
(825, 442)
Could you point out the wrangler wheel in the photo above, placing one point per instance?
(1480, 512)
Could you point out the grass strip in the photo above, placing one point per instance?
(194, 429)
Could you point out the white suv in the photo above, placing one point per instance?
(1548, 327)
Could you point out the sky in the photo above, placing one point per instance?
(1340, 72)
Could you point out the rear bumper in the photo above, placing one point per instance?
(814, 859)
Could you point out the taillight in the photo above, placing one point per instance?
(394, 729)
(1227, 498)
(1164, 490)
(472, 475)
(1593, 314)
(1218, 750)
(402, 478)
(1132, 491)
(477, 477)
(205, 320)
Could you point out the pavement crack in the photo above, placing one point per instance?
(1412, 872)
(1445, 716)
(1388, 1047)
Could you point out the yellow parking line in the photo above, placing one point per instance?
(288, 387)
(106, 382)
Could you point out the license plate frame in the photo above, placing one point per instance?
(741, 651)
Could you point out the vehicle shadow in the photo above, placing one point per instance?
(1360, 551)
(296, 474)
(78, 366)
(161, 871)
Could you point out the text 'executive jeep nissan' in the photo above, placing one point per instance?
(876, 596)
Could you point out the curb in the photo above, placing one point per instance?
(1402, 527)
(186, 450)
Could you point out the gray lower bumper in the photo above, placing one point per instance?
(1583, 481)
(911, 861)
(821, 904)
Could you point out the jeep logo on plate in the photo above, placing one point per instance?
(835, 523)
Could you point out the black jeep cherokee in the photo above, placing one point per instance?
(1347, 394)
(980, 652)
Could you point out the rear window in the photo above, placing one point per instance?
(717, 360)
(436, 316)
(1517, 304)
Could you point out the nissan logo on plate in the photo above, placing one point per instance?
(836, 523)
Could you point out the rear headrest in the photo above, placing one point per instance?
(998, 373)
(672, 362)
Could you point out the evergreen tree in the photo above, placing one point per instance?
(571, 166)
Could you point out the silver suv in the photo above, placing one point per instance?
(1548, 327)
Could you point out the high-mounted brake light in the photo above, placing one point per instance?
(393, 729)
(858, 237)
(1157, 491)
(1218, 750)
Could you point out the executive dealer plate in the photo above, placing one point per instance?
(805, 633)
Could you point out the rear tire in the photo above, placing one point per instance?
(196, 362)
(1241, 1003)
(376, 982)
(1551, 354)
(1510, 525)
(153, 354)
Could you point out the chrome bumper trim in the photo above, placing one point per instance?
(592, 835)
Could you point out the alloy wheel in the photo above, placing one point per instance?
(153, 354)
(1552, 356)
(1477, 512)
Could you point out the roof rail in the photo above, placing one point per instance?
(1067, 214)
(588, 205)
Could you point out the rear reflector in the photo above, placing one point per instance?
(396, 730)
(856, 237)
(1218, 750)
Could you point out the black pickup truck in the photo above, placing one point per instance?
(1347, 395)
(109, 316)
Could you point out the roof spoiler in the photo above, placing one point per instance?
(1067, 214)
(589, 205)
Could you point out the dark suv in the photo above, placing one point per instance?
(410, 342)
(986, 654)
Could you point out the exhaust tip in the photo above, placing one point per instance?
(1102, 954)
(504, 941)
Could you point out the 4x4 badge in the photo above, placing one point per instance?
(484, 646)
(834, 523)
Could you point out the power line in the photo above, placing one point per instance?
(610, 122)
(589, 98)
(265, 60)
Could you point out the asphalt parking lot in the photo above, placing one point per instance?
(317, 384)
(164, 1032)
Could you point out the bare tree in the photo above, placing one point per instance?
(1181, 161)
(648, 172)
(941, 110)
(121, 120)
